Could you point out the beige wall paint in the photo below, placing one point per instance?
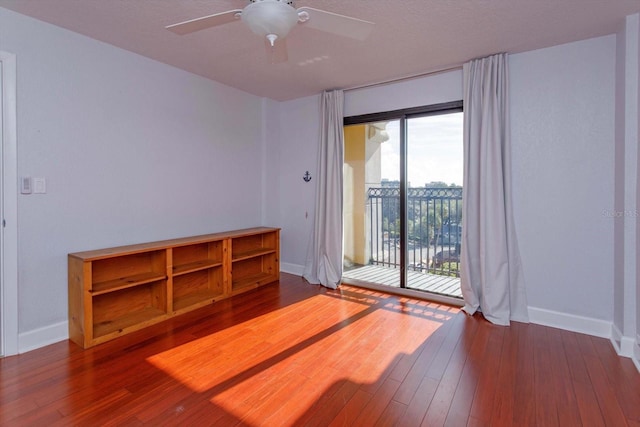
(354, 193)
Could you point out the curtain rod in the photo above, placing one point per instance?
(400, 79)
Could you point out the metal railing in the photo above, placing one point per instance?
(434, 228)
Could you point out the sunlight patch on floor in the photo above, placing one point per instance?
(278, 365)
(221, 356)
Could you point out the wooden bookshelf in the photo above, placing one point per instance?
(115, 291)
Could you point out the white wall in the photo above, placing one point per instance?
(296, 153)
(132, 151)
(434, 89)
(562, 118)
(271, 162)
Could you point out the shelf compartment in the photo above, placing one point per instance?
(126, 271)
(197, 288)
(201, 256)
(116, 311)
(253, 245)
(252, 281)
(126, 323)
(194, 300)
(253, 272)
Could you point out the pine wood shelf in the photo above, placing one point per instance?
(116, 291)
(100, 288)
(252, 254)
(194, 266)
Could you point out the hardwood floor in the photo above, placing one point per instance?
(296, 354)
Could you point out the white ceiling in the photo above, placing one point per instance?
(410, 37)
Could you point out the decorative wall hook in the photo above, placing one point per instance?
(306, 176)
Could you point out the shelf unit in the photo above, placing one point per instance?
(116, 291)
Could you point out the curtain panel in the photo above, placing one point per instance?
(324, 256)
(491, 272)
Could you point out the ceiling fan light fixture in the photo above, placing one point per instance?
(273, 19)
(269, 18)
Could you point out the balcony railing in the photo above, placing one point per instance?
(434, 228)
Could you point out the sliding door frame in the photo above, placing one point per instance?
(403, 116)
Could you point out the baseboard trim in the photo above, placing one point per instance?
(636, 353)
(570, 322)
(296, 269)
(616, 338)
(41, 337)
(623, 345)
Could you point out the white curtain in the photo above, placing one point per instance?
(491, 273)
(324, 257)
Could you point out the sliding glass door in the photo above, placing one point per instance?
(403, 199)
(434, 202)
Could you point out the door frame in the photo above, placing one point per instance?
(9, 209)
(403, 115)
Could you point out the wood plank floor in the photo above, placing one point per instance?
(299, 355)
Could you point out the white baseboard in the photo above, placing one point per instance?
(41, 337)
(623, 345)
(636, 353)
(296, 269)
(570, 322)
(616, 338)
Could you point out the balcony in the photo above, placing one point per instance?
(433, 245)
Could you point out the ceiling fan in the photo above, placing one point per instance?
(273, 19)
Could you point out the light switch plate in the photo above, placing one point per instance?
(25, 185)
(39, 186)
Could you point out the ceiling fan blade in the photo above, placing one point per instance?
(337, 24)
(278, 52)
(204, 22)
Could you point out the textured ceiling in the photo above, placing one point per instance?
(410, 36)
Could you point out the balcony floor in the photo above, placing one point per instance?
(434, 283)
